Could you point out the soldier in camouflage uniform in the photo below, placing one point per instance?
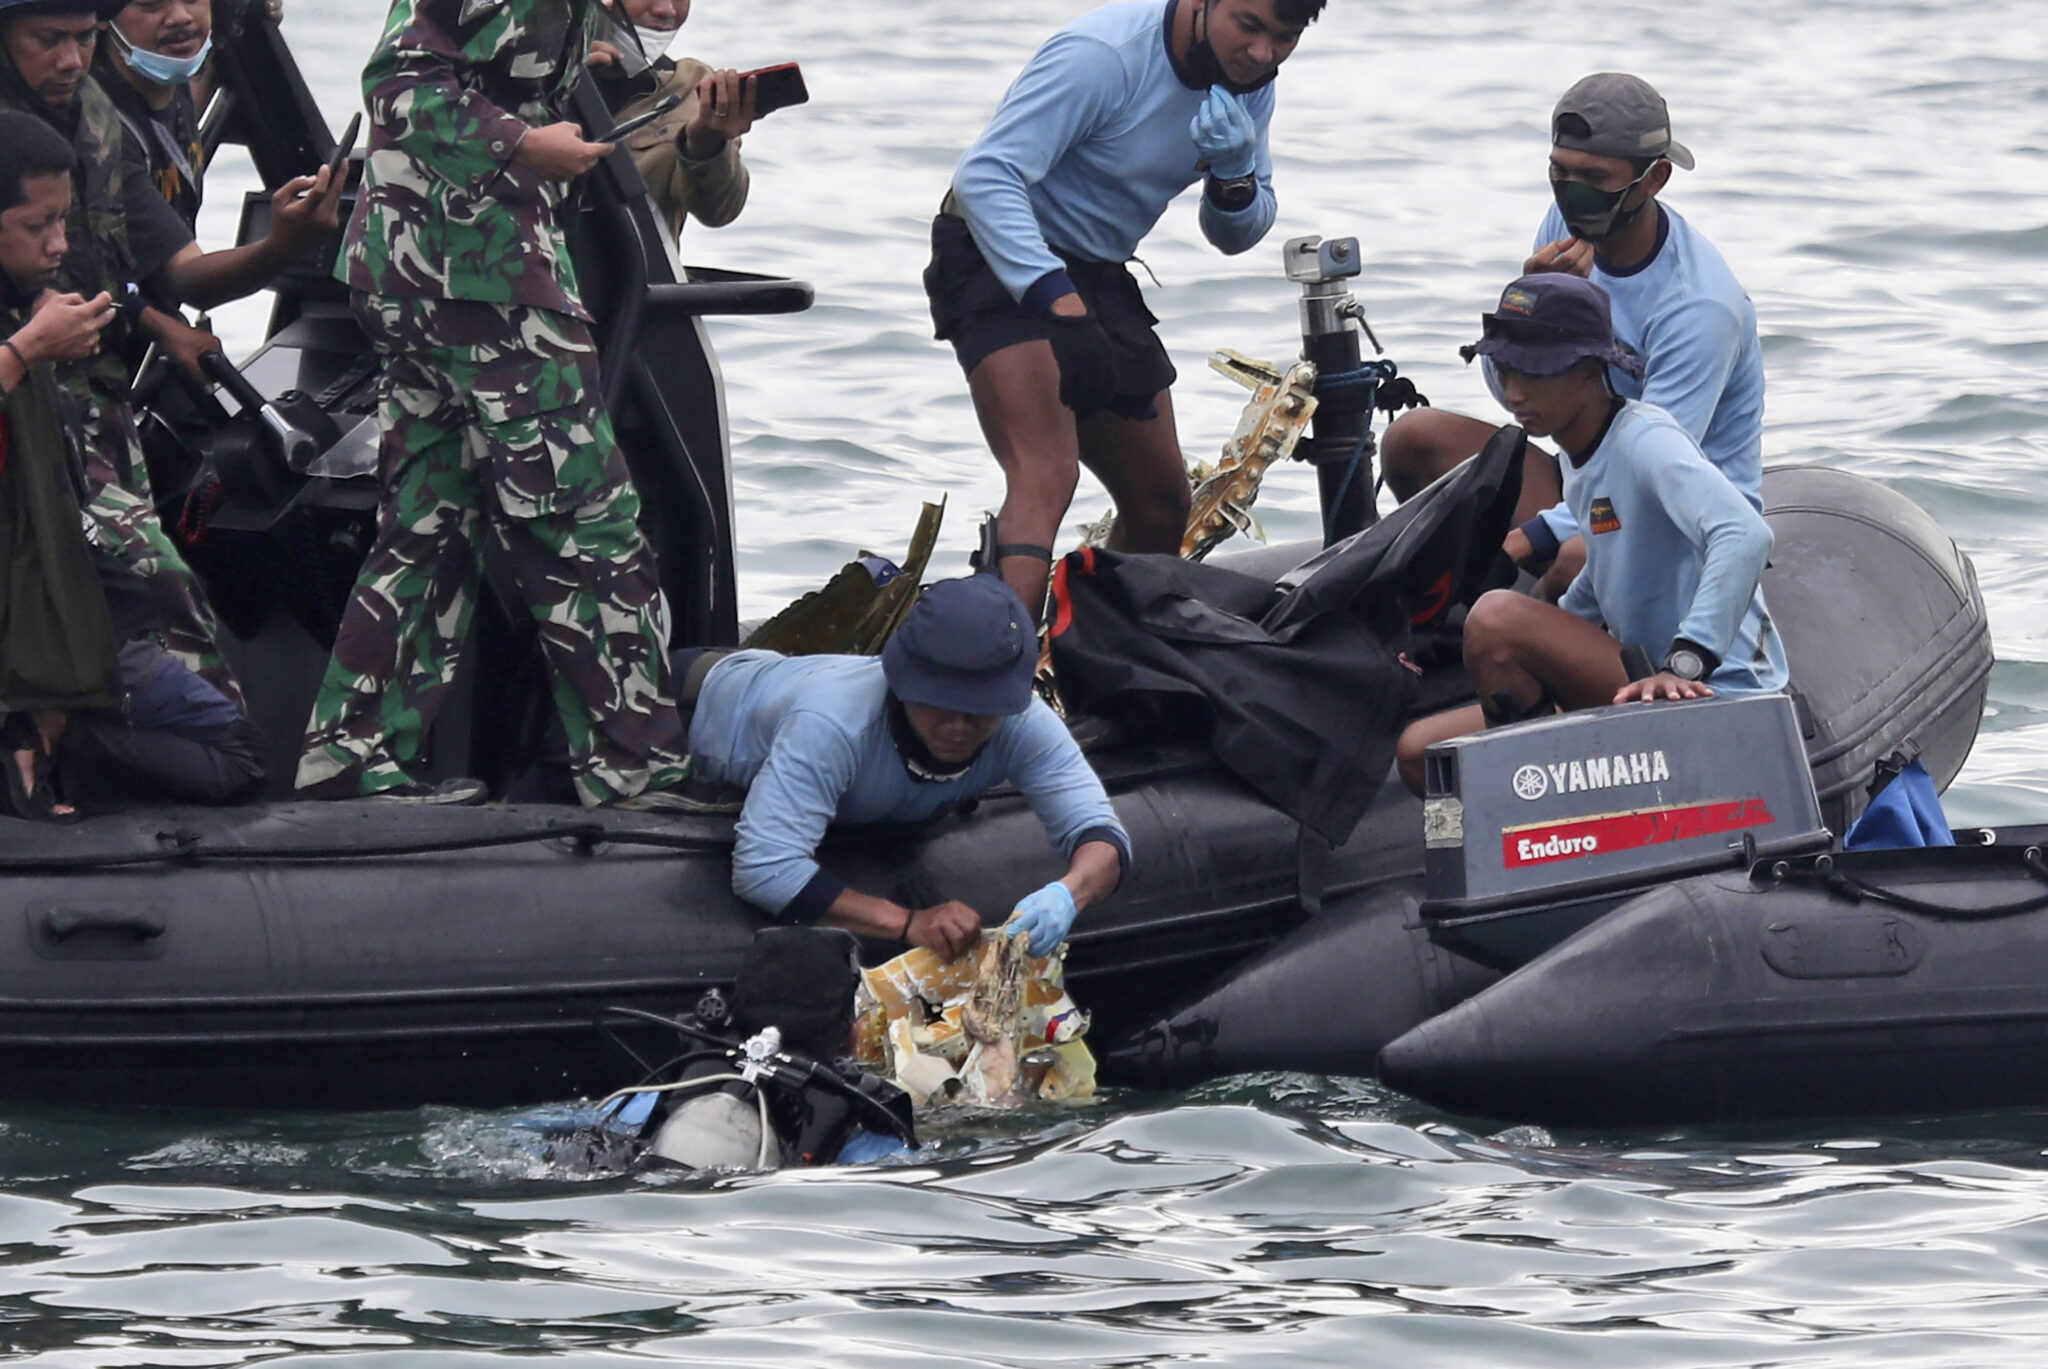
(461, 277)
(120, 231)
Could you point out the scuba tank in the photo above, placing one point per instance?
(748, 1090)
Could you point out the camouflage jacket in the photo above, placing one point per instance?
(444, 212)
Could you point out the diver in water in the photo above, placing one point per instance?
(1114, 116)
(945, 715)
(792, 1009)
(1674, 551)
(1677, 308)
(762, 1082)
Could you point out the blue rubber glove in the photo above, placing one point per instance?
(1225, 135)
(1045, 916)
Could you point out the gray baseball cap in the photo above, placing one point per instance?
(1612, 114)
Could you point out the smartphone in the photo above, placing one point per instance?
(337, 165)
(777, 87)
(643, 118)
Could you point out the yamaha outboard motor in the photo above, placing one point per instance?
(1535, 830)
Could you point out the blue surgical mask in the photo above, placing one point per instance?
(158, 69)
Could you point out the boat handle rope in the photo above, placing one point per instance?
(1822, 872)
(182, 846)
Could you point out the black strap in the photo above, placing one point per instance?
(1007, 549)
(1502, 708)
(1311, 870)
(692, 682)
(1823, 872)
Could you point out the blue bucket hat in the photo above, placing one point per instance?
(1546, 322)
(967, 646)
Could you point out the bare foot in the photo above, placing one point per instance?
(25, 762)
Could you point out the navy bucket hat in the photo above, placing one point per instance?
(967, 646)
(1547, 322)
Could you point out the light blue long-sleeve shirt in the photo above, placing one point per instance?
(1090, 145)
(1673, 550)
(808, 736)
(1684, 313)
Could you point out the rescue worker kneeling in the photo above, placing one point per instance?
(1674, 552)
(945, 715)
(93, 710)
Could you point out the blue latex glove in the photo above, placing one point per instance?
(1045, 916)
(1225, 135)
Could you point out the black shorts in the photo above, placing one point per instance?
(972, 310)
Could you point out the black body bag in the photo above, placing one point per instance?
(1298, 685)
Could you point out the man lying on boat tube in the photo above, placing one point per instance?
(945, 715)
(1676, 305)
(1674, 552)
(1117, 114)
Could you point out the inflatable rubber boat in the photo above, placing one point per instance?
(361, 955)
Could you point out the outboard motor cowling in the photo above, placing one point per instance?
(1533, 831)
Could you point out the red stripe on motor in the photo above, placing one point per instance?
(1544, 843)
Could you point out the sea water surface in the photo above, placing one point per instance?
(1877, 175)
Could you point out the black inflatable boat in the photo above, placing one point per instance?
(1854, 984)
(353, 955)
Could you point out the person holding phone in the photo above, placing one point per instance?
(1112, 118)
(93, 710)
(689, 156)
(459, 272)
(122, 233)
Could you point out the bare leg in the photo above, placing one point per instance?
(1016, 397)
(1571, 559)
(1523, 647)
(1423, 732)
(1528, 651)
(1139, 461)
(49, 726)
(1423, 445)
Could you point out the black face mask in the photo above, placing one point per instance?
(917, 757)
(1594, 215)
(1204, 69)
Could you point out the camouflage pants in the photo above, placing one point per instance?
(125, 524)
(491, 426)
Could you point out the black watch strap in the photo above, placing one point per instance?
(1708, 661)
(1232, 195)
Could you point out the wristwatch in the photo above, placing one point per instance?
(1234, 194)
(1687, 663)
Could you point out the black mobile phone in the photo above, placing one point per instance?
(337, 165)
(777, 87)
(643, 118)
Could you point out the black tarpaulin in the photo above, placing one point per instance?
(1298, 685)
